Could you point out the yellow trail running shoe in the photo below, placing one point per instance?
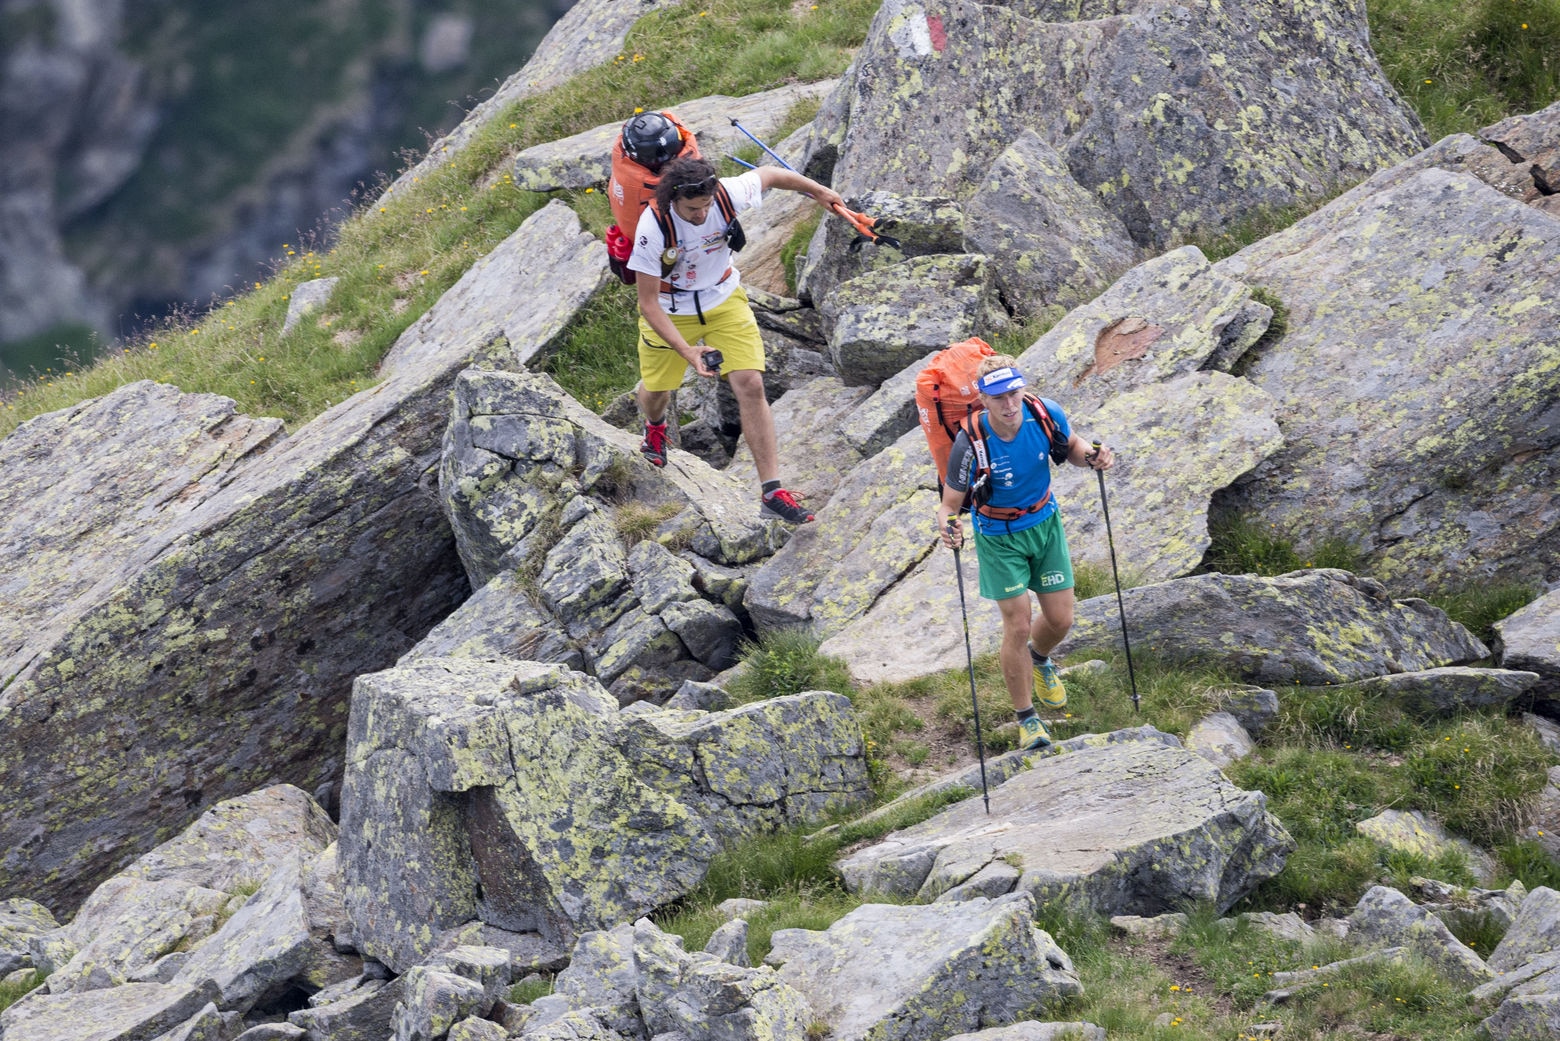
(1048, 685)
(1032, 734)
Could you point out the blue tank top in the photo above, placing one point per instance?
(1020, 471)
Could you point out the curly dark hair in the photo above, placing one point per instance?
(684, 178)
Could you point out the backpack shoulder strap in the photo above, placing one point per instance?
(668, 241)
(1053, 433)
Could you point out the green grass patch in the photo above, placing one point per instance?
(597, 357)
(12, 991)
(1464, 66)
(1479, 606)
(786, 661)
(1240, 545)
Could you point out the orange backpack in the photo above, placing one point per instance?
(945, 395)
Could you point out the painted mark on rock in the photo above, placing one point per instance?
(935, 30)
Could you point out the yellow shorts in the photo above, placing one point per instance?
(730, 329)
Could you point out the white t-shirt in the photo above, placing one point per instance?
(703, 257)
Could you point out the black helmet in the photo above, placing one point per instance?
(650, 139)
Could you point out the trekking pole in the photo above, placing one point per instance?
(866, 227)
(1120, 606)
(969, 656)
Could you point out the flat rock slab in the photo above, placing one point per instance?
(888, 972)
(1124, 827)
(127, 1013)
(585, 159)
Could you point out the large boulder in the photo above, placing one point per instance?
(894, 973)
(1416, 379)
(1133, 824)
(1308, 627)
(220, 582)
(1180, 119)
(517, 794)
(1051, 242)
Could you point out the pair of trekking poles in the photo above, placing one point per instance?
(969, 654)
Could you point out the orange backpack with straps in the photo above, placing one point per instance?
(945, 395)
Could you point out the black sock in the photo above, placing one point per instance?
(770, 487)
(1038, 659)
(656, 423)
(1025, 713)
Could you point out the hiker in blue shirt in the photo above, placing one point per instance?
(1018, 531)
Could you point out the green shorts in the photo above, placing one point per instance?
(729, 328)
(1035, 558)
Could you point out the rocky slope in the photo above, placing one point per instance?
(462, 608)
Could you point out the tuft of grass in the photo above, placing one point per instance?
(529, 989)
(13, 990)
(636, 522)
(1479, 606)
(1241, 546)
(786, 661)
(1525, 860)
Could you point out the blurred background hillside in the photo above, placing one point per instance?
(163, 153)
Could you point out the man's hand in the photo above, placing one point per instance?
(694, 356)
(1099, 457)
(952, 532)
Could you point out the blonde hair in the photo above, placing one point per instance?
(994, 362)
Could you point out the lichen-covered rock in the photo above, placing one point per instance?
(908, 973)
(1135, 826)
(433, 1001)
(879, 523)
(704, 999)
(881, 321)
(271, 944)
(1207, 428)
(1179, 119)
(1535, 931)
(517, 794)
(127, 924)
(923, 227)
(1308, 627)
(132, 1010)
(1429, 353)
(361, 1012)
(221, 583)
(1219, 738)
(1386, 916)
(1438, 693)
(519, 450)
(1051, 243)
(20, 921)
(1412, 832)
